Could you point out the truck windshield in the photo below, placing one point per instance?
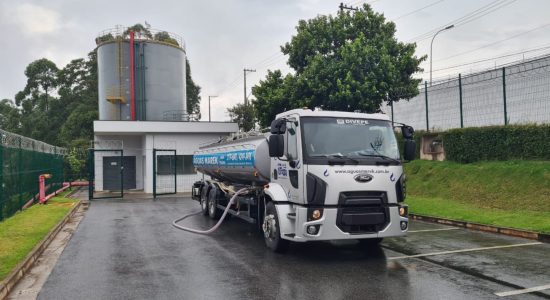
(332, 137)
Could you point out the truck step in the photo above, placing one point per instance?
(291, 216)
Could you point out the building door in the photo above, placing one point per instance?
(112, 170)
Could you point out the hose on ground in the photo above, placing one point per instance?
(175, 222)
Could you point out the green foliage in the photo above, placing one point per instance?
(140, 30)
(9, 116)
(511, 193)
(243, 115)
(530, 142)
(514, 185)
(165, 37)
(104, 38)
(193, 92)
(22, 232)
(345, 62)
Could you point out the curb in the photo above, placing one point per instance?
(543, 237)
(22, 268)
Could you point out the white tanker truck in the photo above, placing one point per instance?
(318, 175)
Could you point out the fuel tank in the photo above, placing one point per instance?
(239, 161)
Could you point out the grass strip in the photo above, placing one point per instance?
(20, 233)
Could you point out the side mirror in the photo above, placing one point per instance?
(278, 126)
(407, 132)
(410, 150)
(276, 145)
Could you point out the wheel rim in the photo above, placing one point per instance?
(212, 206)
(203, 204)
(270, 227)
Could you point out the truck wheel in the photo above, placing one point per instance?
(370, 243)
(272, 232)
(204, 200)
(213, 210)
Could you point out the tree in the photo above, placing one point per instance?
(192, 91)
(9, 116)
(345, 62)
(41, 81)
(243, 115)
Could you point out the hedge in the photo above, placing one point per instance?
(528, 142)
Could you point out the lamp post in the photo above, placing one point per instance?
(431, 48)
(209, 116)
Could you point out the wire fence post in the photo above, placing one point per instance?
(20, 174)
(426, 96)
(504, 94)
(392, 120)
(1, 178)
(460, 97)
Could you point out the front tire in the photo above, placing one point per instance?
(272, 232)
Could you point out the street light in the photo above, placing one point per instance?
(431, 48)
(209, 117)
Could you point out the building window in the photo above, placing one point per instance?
(184, 165)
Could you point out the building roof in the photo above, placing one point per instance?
(141, 127)
(304, 112)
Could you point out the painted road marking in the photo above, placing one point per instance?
(464, 250)
(524, 291)
(430, 230)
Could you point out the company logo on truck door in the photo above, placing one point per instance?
(239, 158)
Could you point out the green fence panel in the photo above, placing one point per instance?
(22, 160)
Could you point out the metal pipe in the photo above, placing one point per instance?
(132, 94)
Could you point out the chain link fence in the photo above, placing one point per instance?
(22, 160)
(518, 93)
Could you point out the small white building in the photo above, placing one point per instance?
(137, 140)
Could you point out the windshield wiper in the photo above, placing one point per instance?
(341, 159)
(378, 154)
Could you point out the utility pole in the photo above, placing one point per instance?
(342, 7)
(209, 116)
(245, 70)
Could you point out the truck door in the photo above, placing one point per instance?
(289, 168)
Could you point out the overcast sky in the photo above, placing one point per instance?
(222, 37)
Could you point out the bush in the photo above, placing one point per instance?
(528, 142)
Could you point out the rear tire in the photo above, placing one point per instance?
(204, 200)
(213, 210)
(272, 232)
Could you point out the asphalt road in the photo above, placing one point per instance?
(127, 249)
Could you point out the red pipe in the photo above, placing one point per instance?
(132, 96)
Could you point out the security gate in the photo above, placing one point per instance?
(165, 164)
(106, 173)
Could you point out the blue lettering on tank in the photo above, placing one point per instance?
(239, 158)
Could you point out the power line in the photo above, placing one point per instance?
(494, 43)
(474, 15)
(491, 59)
(417, 10)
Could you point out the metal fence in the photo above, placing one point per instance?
(518, 93)
(23, 160)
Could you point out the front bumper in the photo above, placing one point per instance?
(296, 230)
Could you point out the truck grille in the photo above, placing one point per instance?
(362, 212)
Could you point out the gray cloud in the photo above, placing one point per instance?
(224, 36)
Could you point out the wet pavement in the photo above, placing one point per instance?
(127, 249)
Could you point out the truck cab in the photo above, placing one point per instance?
(336, 175)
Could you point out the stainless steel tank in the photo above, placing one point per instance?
(159, 78)
(243, 161)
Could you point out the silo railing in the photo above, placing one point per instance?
(141, 33)
(179, 116)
